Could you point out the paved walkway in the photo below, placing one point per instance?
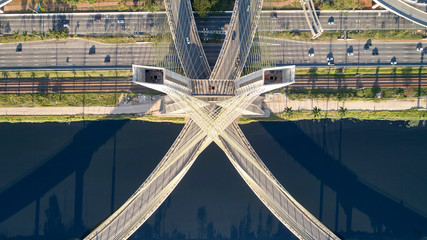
(143, 108)
(277, 103)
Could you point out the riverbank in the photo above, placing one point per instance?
(414, 117)
(281, 109)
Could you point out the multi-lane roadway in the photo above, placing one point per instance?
(149, 23)
(76, 53)
(86, 23)
(54, 54)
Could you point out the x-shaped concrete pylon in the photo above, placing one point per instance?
(211, 122)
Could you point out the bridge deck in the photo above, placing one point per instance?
(238, 40)
(186, 38)
(212, 87)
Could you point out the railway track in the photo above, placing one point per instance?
(124, 84)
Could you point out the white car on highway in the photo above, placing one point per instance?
(188, 40)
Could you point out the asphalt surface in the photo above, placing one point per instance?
(53, 54)
(336, 20)
(148, 23)
(187, 41)
(86, 23)
(405, 10)
(287, 52)
(238, 41)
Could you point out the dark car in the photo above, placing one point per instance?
(97, 18)
(375, 52)
(233, 36)
(107, 59)
(19, 47)
(274, 15)
(92, 50)
(366, 47)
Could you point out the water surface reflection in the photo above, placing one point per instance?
(364, 180)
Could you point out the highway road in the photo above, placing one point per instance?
(287, 52)
(52, 54)
(142, 23)
(86, 23)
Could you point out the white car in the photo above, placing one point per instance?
(188, 40)
(331, 23)
(249, 8)
(349, 53)
(311, 54)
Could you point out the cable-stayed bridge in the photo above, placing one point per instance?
(213, 104)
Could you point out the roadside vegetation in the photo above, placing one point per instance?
(412, 116)
(63, 74)
(366, 94)
(108, 39)
(357, 71)
(203, 7)
(356, 35)
(86, 5)
(281, 5)
(341, 4)
(76, 118)
(59, 99)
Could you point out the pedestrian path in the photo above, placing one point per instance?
(278, 102)
(143, 108)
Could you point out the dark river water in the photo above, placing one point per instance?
(363, 179)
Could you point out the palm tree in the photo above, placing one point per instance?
(5, 74)
(15, 34)
(289, 111)
(342, 111)
(316, 111)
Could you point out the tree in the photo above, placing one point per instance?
(91, 1)
(342, 111)
(121, 5)
(73, 2)
(15, 34)
(316, 111)
(202, 7)
(289, 111)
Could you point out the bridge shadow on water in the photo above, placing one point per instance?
(73, 158)
(389, 219)
(399, 220)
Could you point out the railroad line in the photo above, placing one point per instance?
(124, 84)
